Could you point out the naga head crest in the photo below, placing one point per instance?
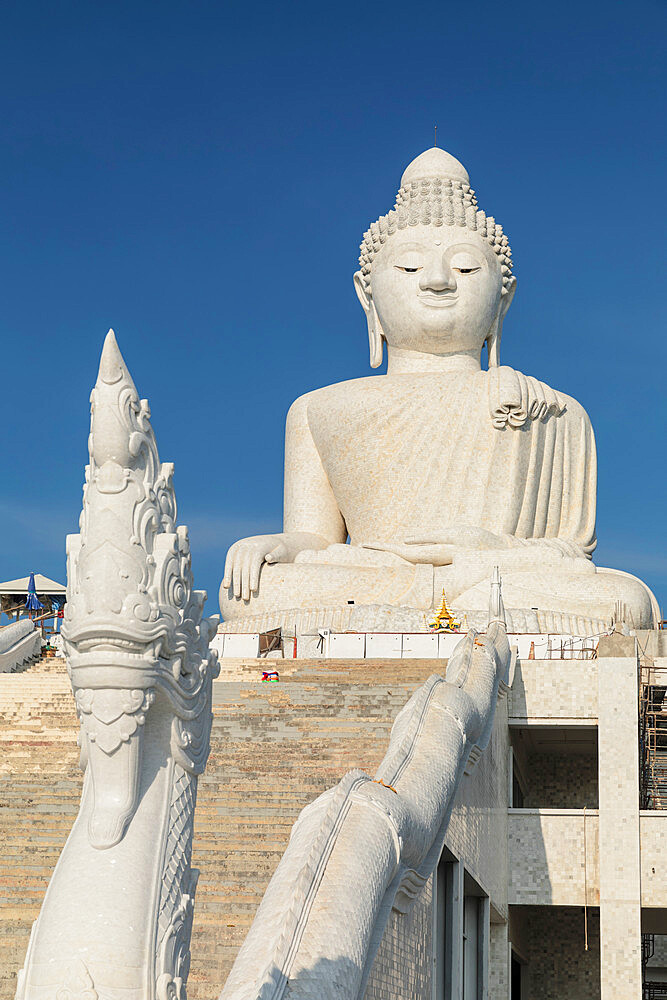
(120, 430)
(133, 625)
(129, 576)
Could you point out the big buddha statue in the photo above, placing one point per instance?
(401, 486)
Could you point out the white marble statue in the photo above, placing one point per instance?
(368, 845)
(438, 470)
(117, 915)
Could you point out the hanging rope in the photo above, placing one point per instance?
(585, 889)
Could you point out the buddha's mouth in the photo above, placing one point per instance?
(438, 299)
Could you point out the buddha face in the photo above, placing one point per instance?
(436, 290)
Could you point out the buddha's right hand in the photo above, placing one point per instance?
(430, 553)
(244, 562)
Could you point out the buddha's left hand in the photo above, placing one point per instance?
(441, 549)
(463, 536)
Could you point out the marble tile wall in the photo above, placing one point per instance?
(559, 967)
(403, 966)
(553, 861)
(562, 781)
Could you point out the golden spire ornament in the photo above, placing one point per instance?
(444, 620)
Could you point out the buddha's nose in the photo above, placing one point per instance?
(437, 277)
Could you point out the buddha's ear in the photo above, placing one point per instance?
(375, 335)
(496, 331)
(506, 297)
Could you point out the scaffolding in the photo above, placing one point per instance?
(654, 991)
(652, 740)
(651, 989)
(652, 780)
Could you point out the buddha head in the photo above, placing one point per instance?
(436, 272)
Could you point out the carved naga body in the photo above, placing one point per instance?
(117, 915)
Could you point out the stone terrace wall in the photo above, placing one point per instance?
(561, 690)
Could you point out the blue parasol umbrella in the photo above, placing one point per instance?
(31, 601)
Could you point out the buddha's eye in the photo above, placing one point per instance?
(407, 270)
(465, 262)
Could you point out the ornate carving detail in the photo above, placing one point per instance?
(133, 626)
(174, 955)
(111, 717)
(179, 884)
(177, 878)
(78, 985)
(169, 988)
(111, 739)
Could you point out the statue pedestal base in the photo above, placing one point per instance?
(387, 618)
(570, 596)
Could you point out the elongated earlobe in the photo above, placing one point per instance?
(375, 338)
(375, 335)
(496, 331)
(493, 343)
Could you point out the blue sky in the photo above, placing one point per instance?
(199, 175)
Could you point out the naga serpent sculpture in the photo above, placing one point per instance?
(117, 915)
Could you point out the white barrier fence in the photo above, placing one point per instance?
(401, 645)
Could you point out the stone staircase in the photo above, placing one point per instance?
(40, 785)
(274, 748)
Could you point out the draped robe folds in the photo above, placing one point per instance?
(414, 455)
(394, 458)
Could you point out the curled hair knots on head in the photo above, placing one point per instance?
(435, 201)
